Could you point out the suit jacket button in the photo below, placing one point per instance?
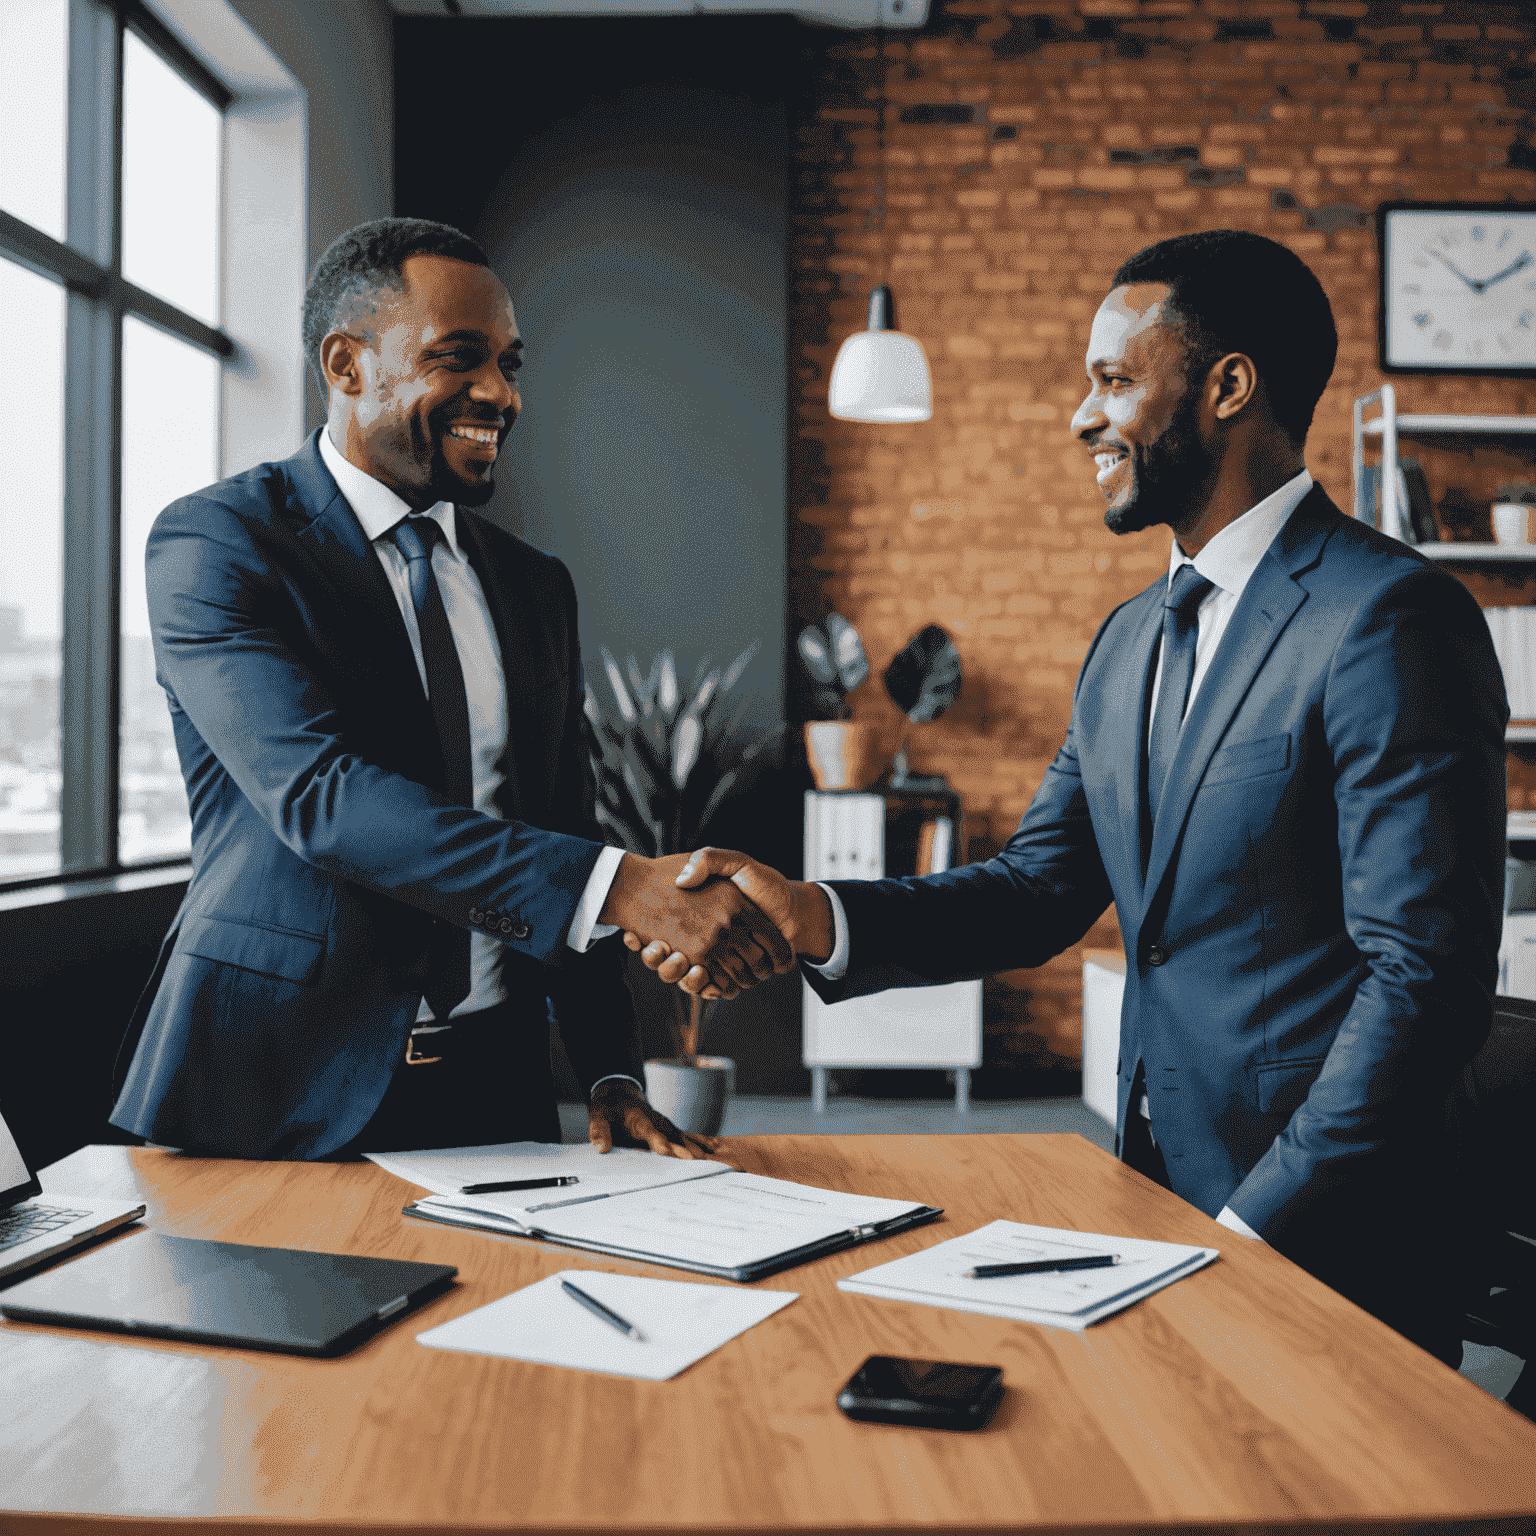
(1156, 955)
(476, 915)
(520, 930)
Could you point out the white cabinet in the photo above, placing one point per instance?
(845, 839)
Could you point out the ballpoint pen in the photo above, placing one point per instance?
(597, 1309)
(1041, 1266)
(506, 1184)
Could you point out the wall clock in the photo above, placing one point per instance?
(1458, 287)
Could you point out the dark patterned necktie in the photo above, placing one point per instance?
(1180, 628)
(448, 968)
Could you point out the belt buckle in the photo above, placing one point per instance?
(412, 1059)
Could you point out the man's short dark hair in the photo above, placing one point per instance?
(366, 260)
(1233, 291)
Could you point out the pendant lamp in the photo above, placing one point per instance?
(881, 374)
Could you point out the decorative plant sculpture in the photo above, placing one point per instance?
(666, 760)
(923, 680)
(833, 656)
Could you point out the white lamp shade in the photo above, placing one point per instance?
(881, 376)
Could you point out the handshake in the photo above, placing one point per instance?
(717, 922)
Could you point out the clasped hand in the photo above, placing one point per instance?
(683, 905)
(798, 913)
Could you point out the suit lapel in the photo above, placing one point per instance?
(336, 542)
(1128, 715)
(1268, 603)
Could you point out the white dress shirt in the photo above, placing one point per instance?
(1228, 561)
(377, 510)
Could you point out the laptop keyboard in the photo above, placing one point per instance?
(29, 1221)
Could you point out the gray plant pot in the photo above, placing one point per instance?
(692, 1094)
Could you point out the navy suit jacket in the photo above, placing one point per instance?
(323, 848)
(1311, 952)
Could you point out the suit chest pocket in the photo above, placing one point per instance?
(1240, 760)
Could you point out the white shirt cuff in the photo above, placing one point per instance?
(585, 930)
(616, 1077)
(1230, 1218)
(835, 967)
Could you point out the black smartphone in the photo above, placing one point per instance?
(928, 1394)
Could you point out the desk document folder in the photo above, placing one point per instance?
(737, 1226)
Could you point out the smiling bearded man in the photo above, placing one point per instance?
(1285, 766)
(377, 699)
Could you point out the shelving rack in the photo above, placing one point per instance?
(1388, 426)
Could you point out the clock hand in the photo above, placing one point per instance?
(1520, 262)
(1471, 282)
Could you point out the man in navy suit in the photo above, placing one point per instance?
(1285, 767)
(396, 874)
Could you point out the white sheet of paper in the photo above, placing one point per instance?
(446, 1170)
(936, 1276)
(683, 1321)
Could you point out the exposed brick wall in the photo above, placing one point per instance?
(1099, 126)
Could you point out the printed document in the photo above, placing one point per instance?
(1070, 1299)
(731, 1221)
(683, 1321)
(447, 1170)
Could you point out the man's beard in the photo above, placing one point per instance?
(1166, 474)
(439, 481)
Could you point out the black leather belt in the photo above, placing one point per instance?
(432, 1042)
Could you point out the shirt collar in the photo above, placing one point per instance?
(373, 504)
(1233, 555)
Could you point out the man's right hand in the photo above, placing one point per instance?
(733, 942)
(799, 908)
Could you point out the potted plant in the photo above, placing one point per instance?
(923, 680)
(666, 759)
(842, 752)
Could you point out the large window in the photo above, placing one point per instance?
(110, 292)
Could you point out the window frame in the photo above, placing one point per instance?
(88, 265)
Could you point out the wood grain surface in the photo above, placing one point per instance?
(1246, 1395)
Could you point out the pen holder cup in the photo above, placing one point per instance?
(692, 1094)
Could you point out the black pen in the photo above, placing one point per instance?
(597, 1309)
(1041, 1266)
(506, 1184)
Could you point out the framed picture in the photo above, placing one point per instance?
(1458, 287)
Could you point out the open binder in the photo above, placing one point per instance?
(736, 1226)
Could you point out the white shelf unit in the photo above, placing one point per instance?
(903, 1027)
(1388, 426)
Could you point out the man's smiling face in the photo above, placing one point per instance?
(439, 383)
(1140, 420)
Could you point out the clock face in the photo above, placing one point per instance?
(1459, 289)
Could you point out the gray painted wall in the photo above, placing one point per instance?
(642, 238)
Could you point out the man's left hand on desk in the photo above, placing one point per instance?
(620, 1115)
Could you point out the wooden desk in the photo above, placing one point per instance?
(1246, 1394)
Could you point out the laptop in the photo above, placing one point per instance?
(36, 1228)
(227, 1293)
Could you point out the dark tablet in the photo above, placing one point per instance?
(227, 1293)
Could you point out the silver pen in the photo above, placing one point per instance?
(597, 1309)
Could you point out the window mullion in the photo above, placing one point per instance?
(92, 450)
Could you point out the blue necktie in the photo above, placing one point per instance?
(448, 967)
(1180, 627)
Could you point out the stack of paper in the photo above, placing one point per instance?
(682, 1322)
(1071, 1299)
(1514, 643)
(447, 1170)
